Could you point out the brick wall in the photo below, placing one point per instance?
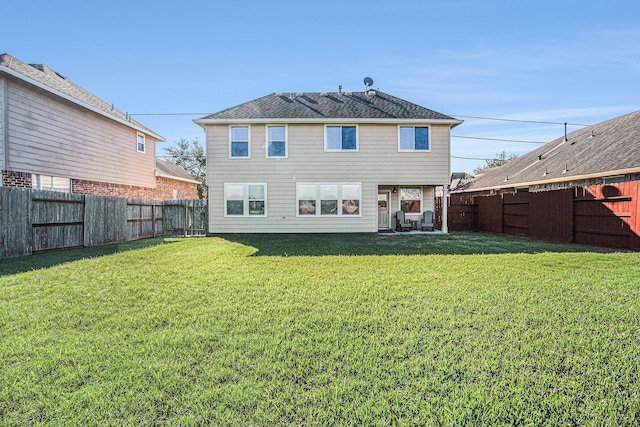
(163, 191)
(165, 188)
(16, 179)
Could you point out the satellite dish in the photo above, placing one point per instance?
(368, 81)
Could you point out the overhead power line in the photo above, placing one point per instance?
(520, 121)
(498, 139)
(470, 158)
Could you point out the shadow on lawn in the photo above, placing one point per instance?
(455, 243)
(37, 261)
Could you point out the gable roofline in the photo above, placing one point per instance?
(202, 122)
(134, 125)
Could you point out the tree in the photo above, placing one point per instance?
(499, 160)
(191, 157)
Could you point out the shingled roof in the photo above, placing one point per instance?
(320, 106)
(604, 149)
(169, 170)
(59, 84)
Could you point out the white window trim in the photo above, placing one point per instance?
(144, 142)
(286, 142)
(318, 213)
(246, 200)
(248, 142)
(413, 150)
(329, 150)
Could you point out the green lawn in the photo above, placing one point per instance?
(463, 329)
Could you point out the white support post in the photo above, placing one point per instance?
(445, 204)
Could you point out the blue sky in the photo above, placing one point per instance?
(551, 61)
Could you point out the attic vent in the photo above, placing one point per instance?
(38, 67)
(323, 94)
(62, 76)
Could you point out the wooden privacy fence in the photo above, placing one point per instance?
(33, 221)
(600, 215)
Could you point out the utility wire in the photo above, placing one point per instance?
(497, 139)
(521, 121)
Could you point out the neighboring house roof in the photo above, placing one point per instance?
(44, 77)
(171, 171)
(373, 106)
(604, 149)
(456, 179)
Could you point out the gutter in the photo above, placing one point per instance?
(176, 178)
(603, 174)
(328, 120)
(49, 89)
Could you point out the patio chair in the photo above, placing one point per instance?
(402, 223)
(427, 221)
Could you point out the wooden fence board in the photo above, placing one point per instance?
(490, 214)
(551, 215)
(105, 220)
(15, 222)
(57, 220)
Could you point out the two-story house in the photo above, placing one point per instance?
(55, 135)
(324, 162)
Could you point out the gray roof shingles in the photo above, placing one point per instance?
(169, 169)
(614, 146)
(327, 105)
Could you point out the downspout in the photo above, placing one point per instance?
(445, 203)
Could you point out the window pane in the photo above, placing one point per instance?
(333, 138)
(410, 200)
(234, 192)
(406, 138)
(422, 138)
(240, 149)
(306, 192)
(61, 184)
(350, 191)
(46, 182)
(235, 207)
(349, 138)
(307, 207)
(256, 208)
(277, 149)
(240, 133)
(256, 192)
(329, 207)
(350, 207)
(276, 133)
(329, 192)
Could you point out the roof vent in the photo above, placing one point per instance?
(566, 169)
(340, 90)
(539, 156)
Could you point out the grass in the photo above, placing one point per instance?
(202, 331)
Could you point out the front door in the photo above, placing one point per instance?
(383, 210)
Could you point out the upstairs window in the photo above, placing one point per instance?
(341, 138)
(276, 141)
(141, 143)
(239, 141)
(413, 138)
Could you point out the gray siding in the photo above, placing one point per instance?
(49, 135)
(377, 162)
